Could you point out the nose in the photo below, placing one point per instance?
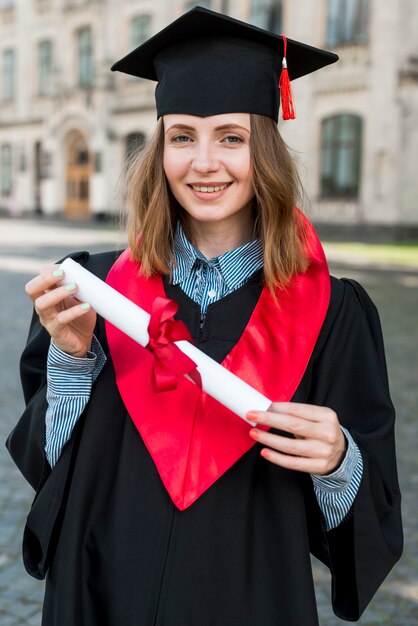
(205, 159)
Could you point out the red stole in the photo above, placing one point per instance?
(191, 437)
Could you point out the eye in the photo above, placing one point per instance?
(180, 139)
(233, 139)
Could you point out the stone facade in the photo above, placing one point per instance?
(59, 141)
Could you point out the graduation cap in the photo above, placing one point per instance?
(206, 63)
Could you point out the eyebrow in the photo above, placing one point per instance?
(223, 127)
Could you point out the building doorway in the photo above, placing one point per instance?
(78, 178)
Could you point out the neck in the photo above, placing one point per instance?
(214, 239)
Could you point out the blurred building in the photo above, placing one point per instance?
(67, 123)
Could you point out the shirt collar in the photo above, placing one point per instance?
(185, 256)
(239, 264)
(235, 265)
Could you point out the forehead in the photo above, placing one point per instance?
(211, 122)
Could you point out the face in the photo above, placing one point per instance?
(207, 163)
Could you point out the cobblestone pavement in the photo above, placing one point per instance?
(25, 246)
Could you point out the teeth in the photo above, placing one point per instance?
(209, 189)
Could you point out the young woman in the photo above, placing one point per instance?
(162, 507)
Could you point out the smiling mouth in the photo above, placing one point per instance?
(209, 188)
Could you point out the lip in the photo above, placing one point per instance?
(209, 196)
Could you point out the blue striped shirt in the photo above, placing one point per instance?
(208, 280)
(69, 387)
(204, 280)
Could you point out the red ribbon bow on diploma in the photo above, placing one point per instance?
(169, 361)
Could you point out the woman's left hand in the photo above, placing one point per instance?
(318, 444)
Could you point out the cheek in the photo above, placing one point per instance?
(174, 166)
(246, 179)
(243, 169)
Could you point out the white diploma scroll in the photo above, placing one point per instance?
(217, 381)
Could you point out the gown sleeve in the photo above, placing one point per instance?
(26, 444)
(349, 375)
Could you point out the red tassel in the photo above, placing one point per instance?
(287, 104)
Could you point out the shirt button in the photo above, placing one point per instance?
(212, 293)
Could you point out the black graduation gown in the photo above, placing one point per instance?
(117, 552)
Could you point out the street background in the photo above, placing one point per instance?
(390, 276)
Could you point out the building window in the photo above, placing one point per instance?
(45, 68)
(8, 75)
(347, 22)
(267, 14)
(341, 156)
(6, 170)
(206, 4)
(22, 160)
(85, 58)
(140, 29)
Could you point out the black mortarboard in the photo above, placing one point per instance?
(207, 63)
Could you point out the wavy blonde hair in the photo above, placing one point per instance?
(153, 212)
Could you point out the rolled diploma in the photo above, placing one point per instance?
(217, 381)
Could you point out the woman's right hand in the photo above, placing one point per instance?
(69, 322)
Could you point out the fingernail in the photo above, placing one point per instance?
(254, 433)
(70, 286)
(252, 416)
(57, 273)
(84, 306)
